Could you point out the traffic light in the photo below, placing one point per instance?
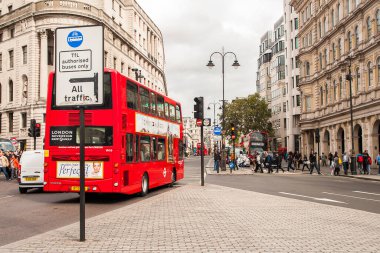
(32, 128)
(317, 137)
(198, 108)
(233, 136)
(37, 130)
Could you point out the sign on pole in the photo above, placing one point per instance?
(207, 122)
(217, 130)
(79, 66)
(199, 122)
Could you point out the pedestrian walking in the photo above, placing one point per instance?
(346, 162)
(217, 159)
(331, 158)
(14, 164)
(278, 160)
(4, 163)
(258, 163)
(324, 159)
(359, 160)
(268, 163)
(313, 163)
(305, 163)
(378, 162)
(336, 164)
(365, 162)
(290, 161)
(369, 163)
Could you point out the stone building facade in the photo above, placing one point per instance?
(131, 41)
(337, 36)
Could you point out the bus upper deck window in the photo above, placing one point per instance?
(178, 114)
(160, 106)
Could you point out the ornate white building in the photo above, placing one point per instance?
(132, 41)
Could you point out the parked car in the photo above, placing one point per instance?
(31, 170)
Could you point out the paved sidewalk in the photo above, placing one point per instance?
(216, 219)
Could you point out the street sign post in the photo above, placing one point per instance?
(207, 122)
(79, 67)
(217, 130)
(199, 122)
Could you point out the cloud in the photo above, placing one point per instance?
(193, 29)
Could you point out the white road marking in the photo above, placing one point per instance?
(348, 196)
(308, 197)
(9, 196)
(370, 193)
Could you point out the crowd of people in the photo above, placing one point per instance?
(10, 163)
(273, 162)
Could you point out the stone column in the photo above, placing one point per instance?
(43, 64)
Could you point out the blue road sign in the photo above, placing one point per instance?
(217, 130)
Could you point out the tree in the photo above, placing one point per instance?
(248, 114)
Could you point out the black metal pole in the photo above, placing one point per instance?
(202, 159)
(353, 160)
(82, 178)
(34, 141)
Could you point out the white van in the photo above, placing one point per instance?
(32, 170)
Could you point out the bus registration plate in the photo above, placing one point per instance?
(77, 188)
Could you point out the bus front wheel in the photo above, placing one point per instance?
(144, 185)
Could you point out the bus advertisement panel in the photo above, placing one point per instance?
(133, 141)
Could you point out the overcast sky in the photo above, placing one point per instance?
(193, 29)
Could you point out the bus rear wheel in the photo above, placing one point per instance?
(144, 185)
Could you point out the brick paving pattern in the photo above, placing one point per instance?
(216, 219)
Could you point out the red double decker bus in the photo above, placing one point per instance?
(133, 141)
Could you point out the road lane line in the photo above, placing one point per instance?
(370, 193)
(9, 196)
(308, 197)
(348, 196)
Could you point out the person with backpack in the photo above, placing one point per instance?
(365, 162)
(378, 162)
(336, 164)
(290, 161)
(305, 163)
(331, 158)
(359, 160)
(268, 163)
(4, 163)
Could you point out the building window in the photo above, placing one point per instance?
(321, 95)
(378, 70)
(298, 100)
(339, 48)
(10, 8)
(335, 98)
(307, 103)
(113, 4)
(332, 18)
(378, 20)
(326, 57)
(349, 39)
(338, 12)
(122, 67)
(114, 63)
(325, 26)
(12, 32)
(295, 23)
(120, 10)
(370, 74)
(50, 55)
(369, 28)
(327, 94)
(1, 62)
(356, 36)
(23, 120)
(10, 89)
(1, 37)
(357, 80)
(296, 42)
(105, 58)
(348, 6)
(24, 55)
(10, 121)
(340, 88)
(1, 94)
(320, 61)
(333, 51)
(11, 59)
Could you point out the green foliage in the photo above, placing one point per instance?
(251, 113)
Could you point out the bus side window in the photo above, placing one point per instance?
(177, 114)
(145, 148)
(132, 96)
(172, 112)
(160, 106)
(153, 103)
(144, 100)
(137, 148)
(129, 149)
(166, 110)
(154, 148)
(161, 149)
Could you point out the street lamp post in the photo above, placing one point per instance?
(353, 159)
(235, 65)
(208, 108)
